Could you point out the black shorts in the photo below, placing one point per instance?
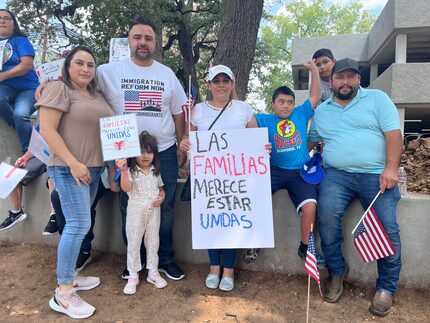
(34, 168)
(300, 192)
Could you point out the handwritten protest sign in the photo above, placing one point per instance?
(9, 178)
(231, 200)
(118, 49)
(50, 71)
(119, 137)
(2, 46)
(38, 147)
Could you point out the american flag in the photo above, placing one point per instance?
(136, 100)
(371, 240)
(311, 260)
(190, 104)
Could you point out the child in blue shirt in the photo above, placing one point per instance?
(287, 132)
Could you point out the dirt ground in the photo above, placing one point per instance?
(27, 275)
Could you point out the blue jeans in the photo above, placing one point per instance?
(336, 193)
(76, 203)
(61, 221)
(16, 108)
(169, 175)
(229, 257)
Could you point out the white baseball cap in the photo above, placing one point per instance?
(218, 69)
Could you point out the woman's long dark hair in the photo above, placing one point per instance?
(16, 30)
(65, 75)
(148, 143)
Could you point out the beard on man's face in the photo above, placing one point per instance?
(346, 96)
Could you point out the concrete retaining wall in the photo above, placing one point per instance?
(412, 216)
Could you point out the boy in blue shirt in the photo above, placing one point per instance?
(287, 133)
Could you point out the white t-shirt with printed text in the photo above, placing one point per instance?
(153, 94)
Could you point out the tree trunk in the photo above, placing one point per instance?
(153, 6)
(237, 39)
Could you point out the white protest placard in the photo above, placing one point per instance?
(9, 178)
(118, 49)
(231, 199)
(2, 45)
(38, 147)
(50, 71)
(119, 137)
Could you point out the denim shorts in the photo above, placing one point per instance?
(300, 191)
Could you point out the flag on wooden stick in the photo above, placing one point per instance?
(311, 260)
(190, 104)
(371, 240)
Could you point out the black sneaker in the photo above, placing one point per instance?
(321, 264)
(172, 271)
(52, 227)
(84, 258)
(12, 219)
(125, 274)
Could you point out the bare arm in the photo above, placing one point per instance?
(315, 89)
(49, 121)
(125, 182)
(179, 120)
(393, 147)
(311, 145)
(25, 65)
(185, 143)
(252, 123)
(21, 162)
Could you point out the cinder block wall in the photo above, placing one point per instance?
(412, 217)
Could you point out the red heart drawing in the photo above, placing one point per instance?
(119, 144)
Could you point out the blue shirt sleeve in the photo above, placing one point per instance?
(388, 116)
(24, 47)
(260, 119)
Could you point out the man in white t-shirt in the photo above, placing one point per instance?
(151, 91)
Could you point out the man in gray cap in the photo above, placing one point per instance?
(360, 129)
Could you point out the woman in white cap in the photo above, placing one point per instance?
(222, 112)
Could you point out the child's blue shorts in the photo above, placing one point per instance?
(300, 191)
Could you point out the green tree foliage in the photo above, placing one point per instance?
(187, 37)
(272, 64)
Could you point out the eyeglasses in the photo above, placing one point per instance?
(6, 18)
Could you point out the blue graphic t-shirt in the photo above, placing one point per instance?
(288, 136)
(15, 48)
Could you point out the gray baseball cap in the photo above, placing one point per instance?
(345, 64)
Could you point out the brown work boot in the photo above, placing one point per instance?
(334, 286)
(381, 303)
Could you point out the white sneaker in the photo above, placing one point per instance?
(156, 279)
(71, 304)
(85, 282)
(132, 283)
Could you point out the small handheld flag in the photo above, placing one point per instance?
(371, 240)
(190, 104)
(311, 260)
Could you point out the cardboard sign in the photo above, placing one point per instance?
(119, 137)
(38, 147)
(118, 49)
(50, 71)
(10, 176)
(231, 199)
